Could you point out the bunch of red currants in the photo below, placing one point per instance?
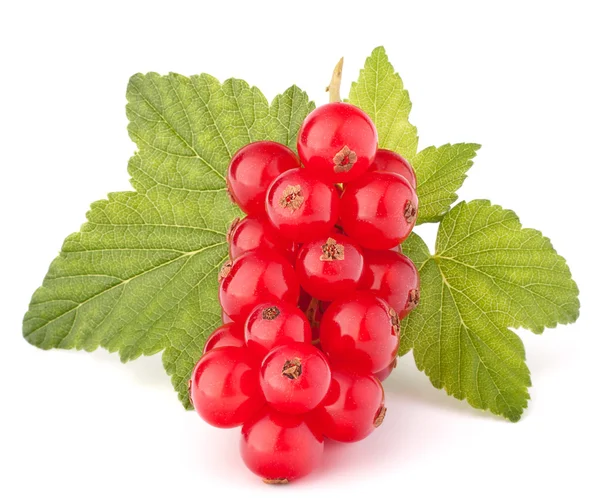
(313, 295)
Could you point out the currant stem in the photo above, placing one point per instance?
(336, 82)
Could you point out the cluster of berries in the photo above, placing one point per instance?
(313, 295)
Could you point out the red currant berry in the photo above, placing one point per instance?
(295, 378)
(379, 210)
(225, 389)
(273, 324)
(337, 142)
(251, 233)
(386, 372)
(327, 268)
(393, 277)
(352, 408)
(361, 331)
(301, 207)
(226, 318)
(225, 336)
(389, 161)
(280, 448)
(251, 171)
(255, 277)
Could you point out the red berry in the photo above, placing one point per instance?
(386, 371)
(226, 318)
(393, 277)
(328, 268)
(389, 161)
(294, 378)
(360, 331)
(280, 448)
(301, 207)
(225, 389)
(225, 336)
(337, 142)
(251, 171)
(254, 277)
(352, 408)
(251, 233)
(273, 324)
(379, 210)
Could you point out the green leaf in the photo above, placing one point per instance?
(141, 275)
(488, 274)
(380, 92)
(440, 173)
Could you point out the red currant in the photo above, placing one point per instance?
(273, 324)
(361, 331)
(337, 142)
(280, 448)
(225, 336)
(386, 371)
(251, 171)
(256, 276)
(379, 210)
(389, 161)
(327, 268)
(295, 377)
(251, 233)
(226, 318)
(225, 388)
(393, 277)
(352, 408)
(301, 207)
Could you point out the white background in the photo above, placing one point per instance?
(520, 78)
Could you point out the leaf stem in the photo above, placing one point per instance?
(336, 81)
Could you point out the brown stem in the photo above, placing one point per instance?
(336, 82)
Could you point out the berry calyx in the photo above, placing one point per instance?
(327, 268)
(225, 388)
(228, 335)
(253, 277)
(337, 142)
(300, 207)
(353, 407)
(379, 210)
(280, 448)
(273, 324)
(294, 378)
(360, 331)
(389, 161)
(393, 277)
(251, 233)
(252, 170)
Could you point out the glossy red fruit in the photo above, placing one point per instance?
(393, 277)
(280, 448)
(337, 142)
(300, 207)
(225, 336)
(273, 324)
(389, 161)
(386, 371)
(360, 331)
(225, 388)
(251, 233)
(353, 407)
(251, 171)
(329, 267)
(258, 276)
(379, 210)
(226, 318)
(295, 378)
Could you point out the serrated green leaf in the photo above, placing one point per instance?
(488, 274)
(380, 92)
(140, 275)
(440, 173)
